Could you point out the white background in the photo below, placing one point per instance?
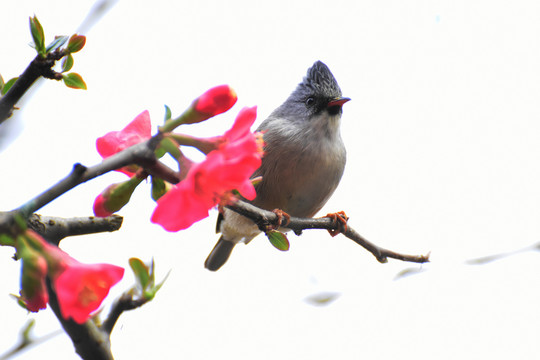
(443, 155)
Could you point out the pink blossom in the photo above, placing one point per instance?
(115, 141)
(227, 168)
(81, 288)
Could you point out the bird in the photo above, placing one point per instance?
(304, 159)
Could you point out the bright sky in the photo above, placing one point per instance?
(443, 156)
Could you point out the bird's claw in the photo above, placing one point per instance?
(338, 218)
(280, 215)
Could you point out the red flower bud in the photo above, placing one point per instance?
(215, 101)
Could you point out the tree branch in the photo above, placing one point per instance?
(264, 219)
(54, 229)
(89, 341)
(125, 302)
(141, 154)
(37, 68)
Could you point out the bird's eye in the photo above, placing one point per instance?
(310, 101)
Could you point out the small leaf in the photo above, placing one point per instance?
(1, 82)
(74, 81)
(67, 63)
(76, 43)
(8, 85)
(168, 113)
(37, 35)
(20, 301)
(278, 240)
(57, 42)
(151, 293)
(141, 271)
(159, 188)
(6, 240)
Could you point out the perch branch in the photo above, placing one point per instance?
(264, 218)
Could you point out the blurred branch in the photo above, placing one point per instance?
(37, 68)
(489, 258)
(98, 10)
(264, 218)
(26, 341)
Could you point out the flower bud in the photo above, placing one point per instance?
(215, 101)
(34, 269)
(114, 197)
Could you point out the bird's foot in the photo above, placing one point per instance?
(338, 218)
(280, 216)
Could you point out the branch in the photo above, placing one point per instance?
(125, 302)
(55, 229)
(37, 68)
(264, 218)
(141, 154)
(89, 341)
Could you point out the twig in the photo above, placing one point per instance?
(125, 302)
(141, 154)
(263, 218)
(37, 68)
(26, 344)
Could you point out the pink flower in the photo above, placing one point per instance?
(81, 288)
(225, 169)
(215, 101)
(115, 141)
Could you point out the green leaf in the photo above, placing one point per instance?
(76, 43)
(67, 63)
(57, 42)
(168, 113)
(278, 240)
(159, 188)
(1, 82)
(141, 271)
(151, 293)
(6, 240)
(37, 35)
(74, 81)
(8, 85)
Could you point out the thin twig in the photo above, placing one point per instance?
(264, 218)
(125, 302)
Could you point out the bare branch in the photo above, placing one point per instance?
(125, 302)
(264, 219)
(37, 68)
(54, 229)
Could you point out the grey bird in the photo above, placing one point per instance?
(304, 158)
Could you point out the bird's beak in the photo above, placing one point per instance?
(337, 102)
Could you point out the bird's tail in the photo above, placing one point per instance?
(219, 255)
